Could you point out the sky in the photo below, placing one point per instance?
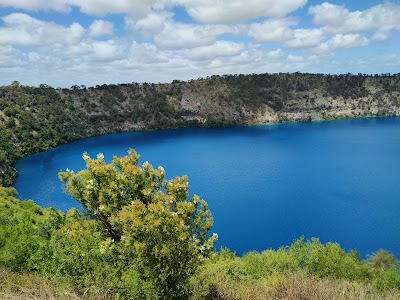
(89, 42)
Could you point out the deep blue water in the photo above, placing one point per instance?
(265, 185)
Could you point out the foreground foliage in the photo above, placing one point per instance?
(139, 238)
(46, 254)
(304, 270)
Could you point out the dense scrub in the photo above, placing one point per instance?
(34, 119)
(307, 269)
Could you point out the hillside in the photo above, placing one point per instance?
(33, 119)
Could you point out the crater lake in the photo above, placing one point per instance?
(265, 185)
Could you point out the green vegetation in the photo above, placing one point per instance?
(140, 237)
(304, 270)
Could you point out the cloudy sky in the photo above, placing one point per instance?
(66, 42)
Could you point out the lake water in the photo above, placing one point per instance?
(265, 185)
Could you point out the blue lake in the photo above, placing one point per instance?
(265, 185)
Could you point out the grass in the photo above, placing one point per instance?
(212, 284)
(298, 285)
(31, 286)
(303, 286)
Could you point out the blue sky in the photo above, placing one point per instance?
(90, 42)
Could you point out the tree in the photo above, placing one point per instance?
(382, 260)
(15, 84)
(160, 237)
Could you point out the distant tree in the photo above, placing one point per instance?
(10, 123)
(15, 84)
(3, 104)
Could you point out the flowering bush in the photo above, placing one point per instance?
(154, 234)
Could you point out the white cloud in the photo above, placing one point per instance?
(72, 34)
(337, 19)
(305, 38)
(340, 41)
(381, 35)
(218, 49)
(41, 61)
(101, 28)
(57, 5)
(91, 7)
(257, 58)
(295, 58)
(103, 7)
(275, 53)
(101, 51)
(10, 57)
(274, 30)
(232, 11)
(181, 36)
(21, 29)
(151, 24)
(206, 11)
(252, 60)
(34, 57)
(280, 31)
(147, 53)
(328, 14)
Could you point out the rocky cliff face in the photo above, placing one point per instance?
(243, 99)
(35, 119)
